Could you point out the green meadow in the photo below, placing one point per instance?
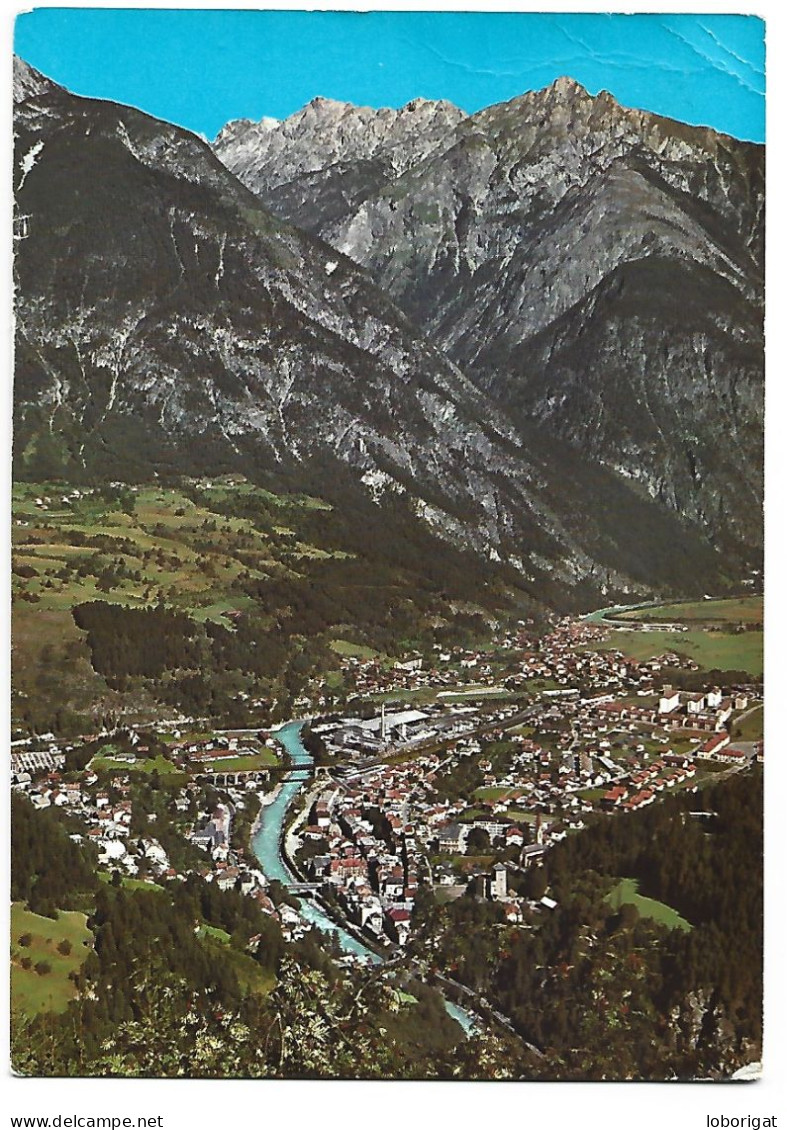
(740, 610)
(627, 891)
(726, 651)
(33, 992)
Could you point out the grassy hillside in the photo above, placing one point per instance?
(276, 587)
(33, 992)
(627, 891)
(750, 726)
(137, 545)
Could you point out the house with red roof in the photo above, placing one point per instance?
(713, 745)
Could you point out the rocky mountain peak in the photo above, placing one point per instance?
(533, 221)
(29, 83)
(566, 89)
(553, 342)
(564, 103)
(326, 133)
(431, 106)
(322, 105)
(415, 104)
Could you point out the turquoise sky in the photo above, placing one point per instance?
(202, 68)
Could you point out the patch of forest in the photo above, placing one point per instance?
(49, 870)
(607, 994)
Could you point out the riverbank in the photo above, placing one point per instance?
(265, 800)
(602, 615)
(269, 845)
(288, 847)
(735, 607)
(291, 840)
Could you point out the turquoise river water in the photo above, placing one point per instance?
(266, 844)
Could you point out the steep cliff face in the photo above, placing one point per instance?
(657, 374)
(167, 321)
(151, 283)
(594, 269)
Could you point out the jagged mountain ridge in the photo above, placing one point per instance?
(300, 145)
(166, 320)
(508, 244)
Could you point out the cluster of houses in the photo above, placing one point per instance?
(707, 710)
(44, 502)
(718, 748)
(105, 812)
(371, 838)
(641, 787)
(566, 657)
(373, 676)
(446, 670)
(362, 842)
(555, 657)
(217, 748)
(589, 746)
(228, 865)
(593, 734)
(105, 808)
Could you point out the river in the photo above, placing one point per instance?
(266, 844)
(601, 614)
